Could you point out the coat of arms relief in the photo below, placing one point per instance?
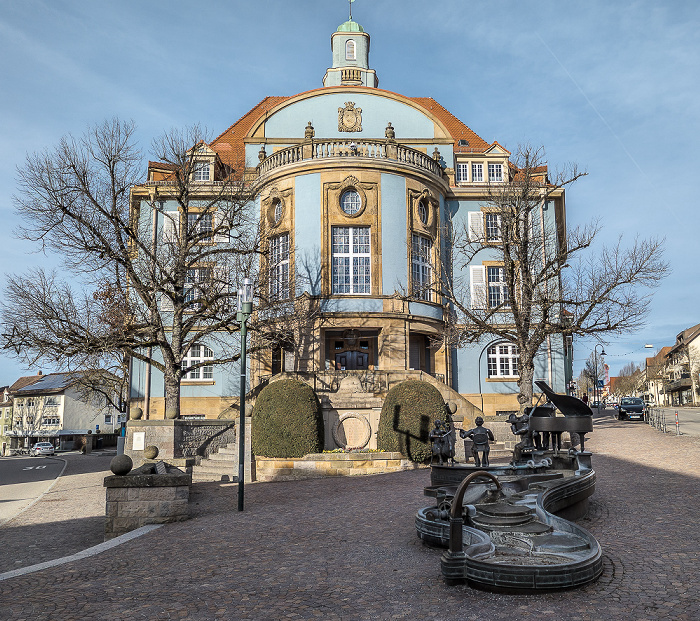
(349, 118)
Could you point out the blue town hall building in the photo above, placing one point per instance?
(355, 184)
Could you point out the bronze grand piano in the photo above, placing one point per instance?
(578, 417)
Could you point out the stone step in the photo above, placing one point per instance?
(209, 477)
(229, 456)
(212, 466)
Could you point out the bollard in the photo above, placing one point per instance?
(678, 429)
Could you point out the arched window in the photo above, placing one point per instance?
(503, 360)
(350, 53)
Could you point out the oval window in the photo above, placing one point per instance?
(423, 212)
(350, 202)
(277, 213)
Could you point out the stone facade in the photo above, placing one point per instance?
(330, 464)
(135, 500)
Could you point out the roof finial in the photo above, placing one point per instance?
(351, 1)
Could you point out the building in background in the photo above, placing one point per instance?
(53, 408)
(682, 385)
(355, 188)
(5, 419)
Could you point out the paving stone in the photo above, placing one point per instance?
(345, 548)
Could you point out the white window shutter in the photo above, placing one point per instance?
(221, 236)
(171, 227)
(477, 285)
(476, 226)
(166, 304)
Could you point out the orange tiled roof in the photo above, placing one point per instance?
(231, 149)
(229, 145)
(457, 129)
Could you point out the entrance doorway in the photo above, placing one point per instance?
(351, 350)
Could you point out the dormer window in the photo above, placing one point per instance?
(202, 172)
(350, 52)
(495, 173)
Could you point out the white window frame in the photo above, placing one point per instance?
(198, 353)
(279, 267)
(421, 266)
(462, 172)
(503, 360)
(492, 226)
(351, 260)
(496, 287)
(200, 223)
(477, 172)
(197, 279)
(350, 50)
(495, 172)
(202, 172)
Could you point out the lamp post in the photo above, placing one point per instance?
(596, 390)
(245, 308)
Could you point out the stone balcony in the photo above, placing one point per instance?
(330, 149)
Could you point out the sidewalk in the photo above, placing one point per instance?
(345, 548)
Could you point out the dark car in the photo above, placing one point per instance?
(631, 408)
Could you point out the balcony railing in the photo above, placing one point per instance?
(366, 149)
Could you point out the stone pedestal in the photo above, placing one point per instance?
(182, 443)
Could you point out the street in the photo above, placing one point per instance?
(23, 479)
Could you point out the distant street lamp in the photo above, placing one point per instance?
(245, 308)
(596, 389)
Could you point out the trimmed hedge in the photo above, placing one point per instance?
(409, 413)
(287, 421)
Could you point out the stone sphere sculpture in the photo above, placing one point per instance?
(121, 465)
(136, 413)
(150, 452)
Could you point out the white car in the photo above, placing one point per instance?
(43, 448)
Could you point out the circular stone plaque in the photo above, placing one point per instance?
(352, 431)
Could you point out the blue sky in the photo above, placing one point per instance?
(611, 85)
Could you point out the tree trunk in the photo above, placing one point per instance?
(527, 374)
(172, 393)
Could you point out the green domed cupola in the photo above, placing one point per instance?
(350, 26)
(350, 46)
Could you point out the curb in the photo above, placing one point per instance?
(98, 549)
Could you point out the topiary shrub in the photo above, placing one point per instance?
(287, 421)
(409, 413)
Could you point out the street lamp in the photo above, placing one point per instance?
(596, 390)
(245, 308)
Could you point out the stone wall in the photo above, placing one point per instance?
(181, 442)
(134, 500)
(330, 464)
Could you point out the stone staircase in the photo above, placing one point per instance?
(220, 466)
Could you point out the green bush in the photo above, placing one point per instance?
(287, 421)
(409, 413)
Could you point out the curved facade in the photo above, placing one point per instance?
(355, 186)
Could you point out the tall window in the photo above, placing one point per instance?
(493, 226)
(200, 223)
(198, 353)
(462, 172)
(350, 53)
(503, 360)
(196, 281)
(497, 290)
(201, 172)
(421, 269)
(495, 172)
(477, 173)
(351, 262)
(279, 267)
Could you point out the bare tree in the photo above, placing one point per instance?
(629, 379)
(157, 261)
(548, 282)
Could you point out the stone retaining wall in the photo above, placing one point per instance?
(134, 500)
(330, 464)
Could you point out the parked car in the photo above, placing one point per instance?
(631, 408)
(43, 448)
